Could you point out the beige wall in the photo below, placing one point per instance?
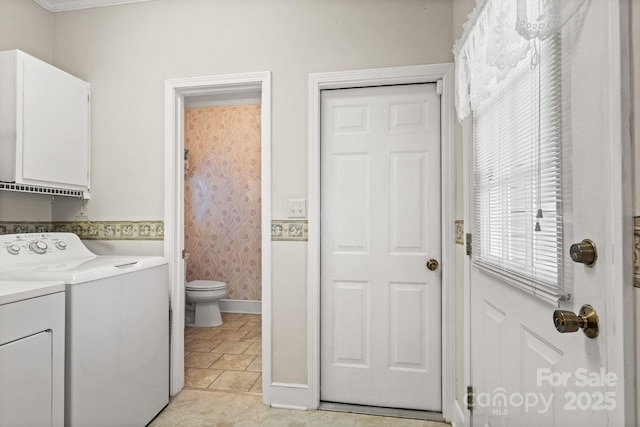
(126, 53)
(27, 26)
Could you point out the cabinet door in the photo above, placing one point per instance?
(25, 388)
(55, 147)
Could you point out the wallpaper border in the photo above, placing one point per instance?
(289, 230)
(90, 230)
(459, 232)
(281, 230)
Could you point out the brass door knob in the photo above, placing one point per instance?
(432, 264)
(567, 321)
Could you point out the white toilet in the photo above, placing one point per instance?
(204, 296)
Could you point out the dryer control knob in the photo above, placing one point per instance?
(38, 247)
(13, 249)
(61, 245)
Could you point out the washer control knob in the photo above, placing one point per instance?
(38, 247)
(13, 249)
(61, 245)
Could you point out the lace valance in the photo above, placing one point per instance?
(497, 36)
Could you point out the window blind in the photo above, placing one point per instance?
(517, 203)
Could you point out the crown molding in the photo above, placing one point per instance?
(67, 5)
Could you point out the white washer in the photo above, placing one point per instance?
(117, 326)
(31, 354)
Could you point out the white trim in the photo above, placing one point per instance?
(466, 203)
(174, 218)
(222, 103)
(240, 306)
(376, 77)
(295, 396)
(175, 92)
(448, 206)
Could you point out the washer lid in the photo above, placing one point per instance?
(80, 270)
(205, 285)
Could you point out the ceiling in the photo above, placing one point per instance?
(65, 5)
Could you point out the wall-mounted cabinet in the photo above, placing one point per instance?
(44, 125)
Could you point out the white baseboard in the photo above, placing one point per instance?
(289, 396)
(240, 306)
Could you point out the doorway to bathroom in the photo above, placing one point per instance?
(222, 179)
(222, 242)
(243, 97)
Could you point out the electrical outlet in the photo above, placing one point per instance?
(297, 208)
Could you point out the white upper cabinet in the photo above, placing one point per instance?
(44, 124)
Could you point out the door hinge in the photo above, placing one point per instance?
(469, 246)
(439, 87)
(470, 398)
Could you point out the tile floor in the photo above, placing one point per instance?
(227, 357)
(204, 408)
(223, 384)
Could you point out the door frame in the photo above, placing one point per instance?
(175, 92)
(442, 74)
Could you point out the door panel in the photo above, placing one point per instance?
(408, 340)
(407, 193)
(352, 215)
(351, 324)
(380, 202)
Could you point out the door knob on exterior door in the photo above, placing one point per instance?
(432, 264)
(566, 321)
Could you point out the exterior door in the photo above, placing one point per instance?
(380, 210)
(523, 371)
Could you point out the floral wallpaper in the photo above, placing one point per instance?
(222, 198)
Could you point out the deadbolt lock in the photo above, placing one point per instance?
(566, 321)
(584, 252)
(432, 264)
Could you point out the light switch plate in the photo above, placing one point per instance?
(297, 208)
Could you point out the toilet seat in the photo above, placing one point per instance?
(205, 285)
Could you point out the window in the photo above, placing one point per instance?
(517, 204)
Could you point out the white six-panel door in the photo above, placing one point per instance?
(380, 223)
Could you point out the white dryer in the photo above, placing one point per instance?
(117, 326)
(31, 354)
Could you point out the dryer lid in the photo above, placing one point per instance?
(205, 285)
